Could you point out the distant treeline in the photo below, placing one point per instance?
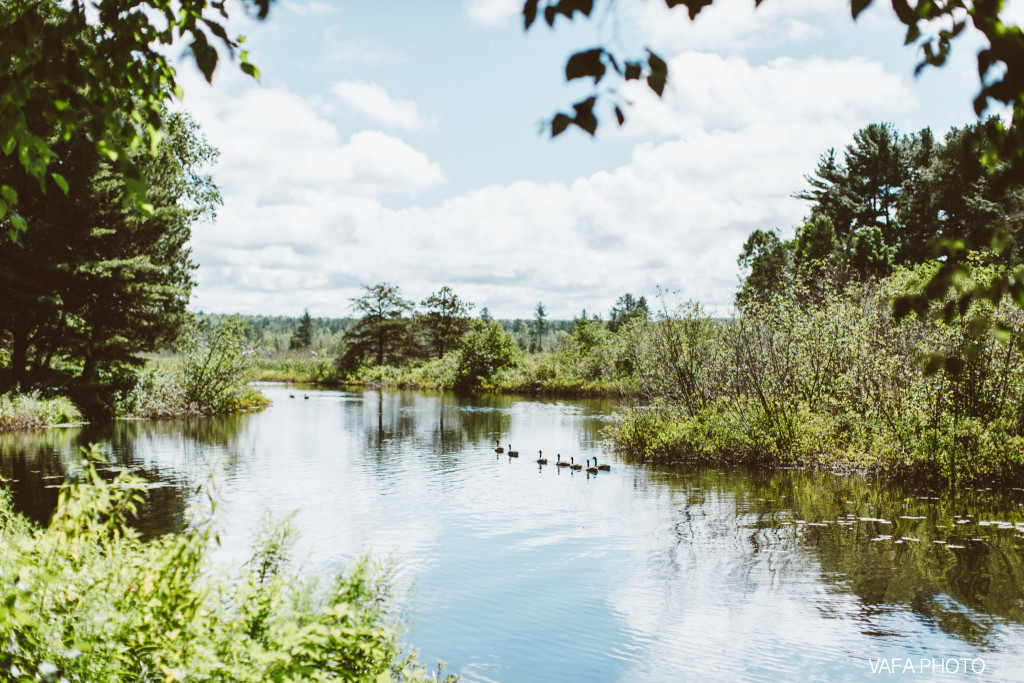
(275, 332)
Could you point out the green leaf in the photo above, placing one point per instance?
(18, 221)
(9, 193)
(105, 148)
(250, 69)
(61, 183)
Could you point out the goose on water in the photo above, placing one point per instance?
(603, 468)
(575, 465)
(541, 459)
(592, 469)
(560, 462)
(498, 447)
(512, 453)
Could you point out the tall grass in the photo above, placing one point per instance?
(832, 380)
(29, 411)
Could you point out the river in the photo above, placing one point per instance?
(513, 571)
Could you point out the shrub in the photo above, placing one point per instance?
(85, 600)
(486, 349)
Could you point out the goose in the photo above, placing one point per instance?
(604, 468)
(541, 459)
(561, 463)
(498, 447)
(575, 465)
(291, 395)
(512, 453)
(592, 469)
(305, 396)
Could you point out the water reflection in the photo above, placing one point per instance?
(523, 572)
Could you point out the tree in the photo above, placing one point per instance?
(767, 259)
(485, 350)
(538, 328)
(445, 320)
(303, 337)
(97, 281)
(626, 309)
(65, 68)
(382, 330)
(485, 315)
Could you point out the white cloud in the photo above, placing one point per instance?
(374, 102)
(732, 27)
(492, 12)
(711, 91)
(306, 218)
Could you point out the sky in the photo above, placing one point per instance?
(407, 142)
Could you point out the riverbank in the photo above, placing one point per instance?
(971, 453)
(542, 374)
(29, 411)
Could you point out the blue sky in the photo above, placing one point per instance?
(400, 141)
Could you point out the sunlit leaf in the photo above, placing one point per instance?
(61, 182)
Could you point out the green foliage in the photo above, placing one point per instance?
(383, 334)
(105, 77)
(899, 201)
(303, 336)
(834, 380)
(486, 349)
(445, 320)
(767, 259)
(97, 282)
(216, 367)
(626, 309)
(26, 411)
(538, 328)
(85, 600)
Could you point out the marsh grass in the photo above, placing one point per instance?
(30, 411)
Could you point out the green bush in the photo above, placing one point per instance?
(85, 600)
(486, 349)
(27, 411)
(830, 378)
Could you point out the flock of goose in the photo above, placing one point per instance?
(559, 462)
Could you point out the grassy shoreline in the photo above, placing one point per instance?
(29, 411)
(660, 435)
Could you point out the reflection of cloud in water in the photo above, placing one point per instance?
(521, 572)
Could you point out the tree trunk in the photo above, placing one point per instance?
(19, 355)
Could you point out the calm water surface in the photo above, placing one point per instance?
(516, 572)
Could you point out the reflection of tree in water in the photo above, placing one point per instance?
(958, 590)
(38, 462)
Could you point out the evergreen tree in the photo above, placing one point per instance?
(445, 320)
(538, 328)
(382, 332)
(303, 337)
(97, 281)
(627, 308)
